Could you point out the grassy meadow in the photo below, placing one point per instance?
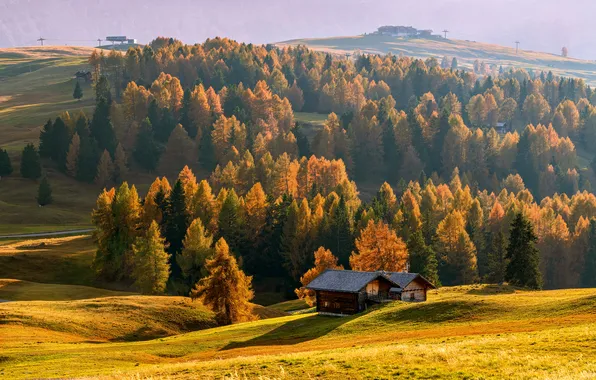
(465, 51)
(463, 332)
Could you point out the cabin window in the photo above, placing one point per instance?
(412, 296)
(326, 304)
(336, 305)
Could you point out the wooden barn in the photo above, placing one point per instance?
(344, 292)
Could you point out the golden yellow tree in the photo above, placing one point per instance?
(324, 260)
(226, 290)
(379, 248)
(456, 250)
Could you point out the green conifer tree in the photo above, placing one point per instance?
(78, 91)
(524, 265)
(44, 193)
(30, 163)
(5, 164)
(497, 261)
(423, 259)
(175, 224)
(588, 275)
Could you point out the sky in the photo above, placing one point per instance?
(540, 25)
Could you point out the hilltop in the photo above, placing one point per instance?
(466, 52)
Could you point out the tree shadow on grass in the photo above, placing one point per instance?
(492, 290)
(294, 332)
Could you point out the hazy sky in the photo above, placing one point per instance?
(544, 25)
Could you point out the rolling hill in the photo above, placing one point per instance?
(466, 53)
(478, 331)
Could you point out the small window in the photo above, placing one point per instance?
(326, 304)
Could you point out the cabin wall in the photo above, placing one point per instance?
(378, 286)
(414, 292)
(338, 303)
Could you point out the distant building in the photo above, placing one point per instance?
(403, 31)
(502, 128)
(121, 39)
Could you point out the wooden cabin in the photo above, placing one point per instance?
(345, 292)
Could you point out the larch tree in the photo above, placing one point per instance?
(197, 249)
(151, 268)
(379, 248)
(324, 260)
(72, 157)
(120, 164)
(456, 250)
(524, 259)
(226, 289)
(105, 169)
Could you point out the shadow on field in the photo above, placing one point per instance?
(493, 290)
(294, 332)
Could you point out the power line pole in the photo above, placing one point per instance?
(445, 31)
(99, 40)
(516, 47)
(41, 39)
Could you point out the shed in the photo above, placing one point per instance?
(412, 286)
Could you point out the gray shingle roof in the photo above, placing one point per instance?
(352, 281)
(403, 278)
(344, 280)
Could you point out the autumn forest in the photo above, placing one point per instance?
(463, 163)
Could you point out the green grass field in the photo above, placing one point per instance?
(465, 51)
(466, 332)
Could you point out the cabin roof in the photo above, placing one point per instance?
(346, 281)
(403, 278)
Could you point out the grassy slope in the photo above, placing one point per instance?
(37, 84)
(64, 260)
(465, 51)
(466, 332)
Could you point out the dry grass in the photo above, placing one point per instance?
(465, 332)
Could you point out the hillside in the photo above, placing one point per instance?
(476, 331)
(466, 53)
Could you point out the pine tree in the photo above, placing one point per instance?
(588, 275)
(78, 91)
(146, 152)
(229, 223)
(524, 265)
(101, 128)
(5, 164)
(497, 261)
(72, 157)
(339, 236)
(151, 268)
(44, 193)
(30, 163)
(105, 168)
(423, 259)
(197, 249)
(88, 159)
(175, 223)
(227, 290)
